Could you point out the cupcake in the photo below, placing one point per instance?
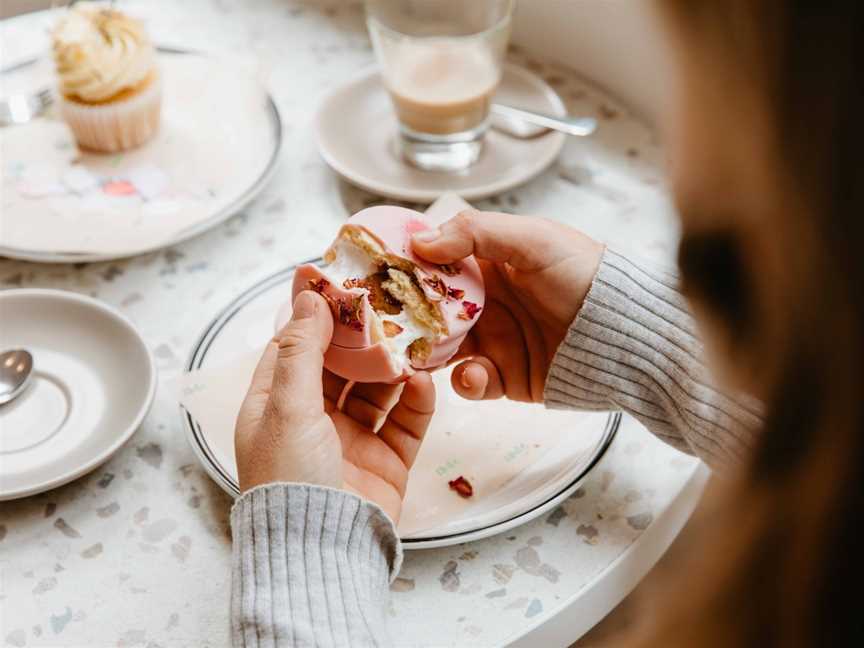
(109, 84)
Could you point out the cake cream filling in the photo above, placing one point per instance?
(351, 262)
(411, 330)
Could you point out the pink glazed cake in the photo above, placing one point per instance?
(393, 312)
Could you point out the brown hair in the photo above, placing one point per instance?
(782, 563)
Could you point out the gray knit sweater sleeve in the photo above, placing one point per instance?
(311, 567)
(634, 347)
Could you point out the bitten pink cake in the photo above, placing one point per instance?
(393, 312)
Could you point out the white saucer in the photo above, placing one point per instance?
(93, 384)
(356, 129)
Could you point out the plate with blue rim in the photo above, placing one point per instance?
(433, 514)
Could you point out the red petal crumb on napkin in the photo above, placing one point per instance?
(461, 486)
(119, 188)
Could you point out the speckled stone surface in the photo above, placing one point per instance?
(137, 553)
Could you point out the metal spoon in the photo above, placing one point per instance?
(16, 369)
(513, 120)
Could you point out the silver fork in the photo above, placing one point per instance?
(21, 108)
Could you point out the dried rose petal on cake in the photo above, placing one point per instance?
(351, 313)
(318, 285)
(469, 310)
(437, 284)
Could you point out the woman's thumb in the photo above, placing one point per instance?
(492, 236)
(307, 306)
(300, 358)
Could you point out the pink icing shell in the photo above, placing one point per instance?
(352, 354)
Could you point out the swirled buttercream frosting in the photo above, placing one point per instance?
(100, 52)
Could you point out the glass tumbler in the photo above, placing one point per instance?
(440, 62)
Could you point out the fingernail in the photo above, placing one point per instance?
(304, 306)
(427, 236)
(464, 379)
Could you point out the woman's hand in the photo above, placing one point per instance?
(537, 274)
(289, 428)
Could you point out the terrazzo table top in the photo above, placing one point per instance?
(137, 553)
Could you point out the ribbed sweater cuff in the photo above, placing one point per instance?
(311, 566)
(634, 347)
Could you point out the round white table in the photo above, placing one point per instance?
(137, 553)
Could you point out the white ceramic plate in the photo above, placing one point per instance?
(218, 144)
(93, 384)
(565, 445)
(357, 131)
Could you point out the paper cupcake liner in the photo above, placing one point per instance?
(117, 125)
